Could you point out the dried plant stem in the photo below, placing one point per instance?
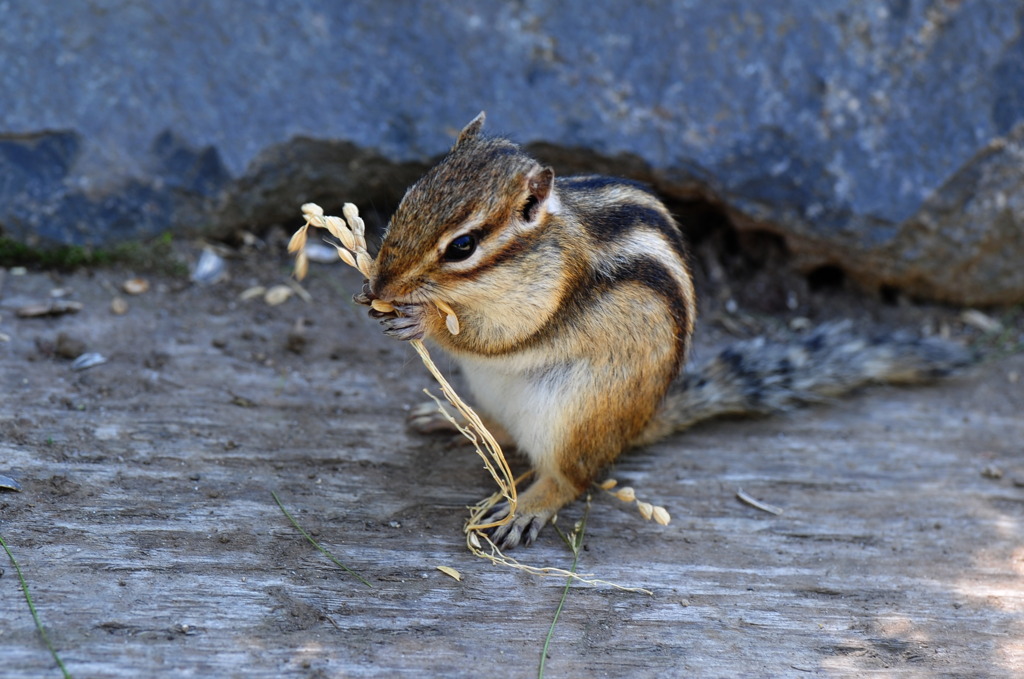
(499, 558)
(316, 544)
(757, 504)
(32, 610)
(476, 432)
(351, 248)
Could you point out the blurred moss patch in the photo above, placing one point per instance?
(155, 256)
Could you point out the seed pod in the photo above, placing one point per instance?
(301, 265)
(254, 291)
(278, 294)
(609, 484)
(646, 509)
(360, 241)
(298, 240)
(341, 232)
(333, 225)
(661, 516)
(451, 320)
(355, 222)
(312, 210)
(365, 264)
(625, 494)
(347, 257)
(381, 305)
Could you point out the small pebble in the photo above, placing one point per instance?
(55, 307)
(992, 472)
(89, 360)
(119, 306)
(800, 323)
(297, 342)
(7, 483)
(210, 268)
(981, 321)
(135, 286)
(69, 347)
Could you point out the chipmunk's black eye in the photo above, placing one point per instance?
(460, 248)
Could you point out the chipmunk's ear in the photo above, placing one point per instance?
(472, 130)
(539, 184)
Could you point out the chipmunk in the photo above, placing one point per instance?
(576, 308)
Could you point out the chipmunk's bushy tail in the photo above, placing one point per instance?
(760, 376)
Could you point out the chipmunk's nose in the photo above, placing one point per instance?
(364, 296)
(380, 276)
(376, 286)
(390, 279)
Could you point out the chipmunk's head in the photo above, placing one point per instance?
(462, 221)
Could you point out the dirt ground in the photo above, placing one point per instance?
(152, 546)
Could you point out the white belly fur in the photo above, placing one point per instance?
(527, 398)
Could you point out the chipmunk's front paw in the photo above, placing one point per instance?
(427, 419)
(405, 323)
(523, 529)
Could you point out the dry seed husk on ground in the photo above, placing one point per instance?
(647, 510)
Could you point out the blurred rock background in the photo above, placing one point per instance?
(882, 141)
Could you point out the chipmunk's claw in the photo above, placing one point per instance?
(521, 530)
(404, 323)
(364, 297)
(402, 328)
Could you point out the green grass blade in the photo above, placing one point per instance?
(574, 545)
(32, 609)
(317, 544)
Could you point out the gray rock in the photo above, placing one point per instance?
(883, 138)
